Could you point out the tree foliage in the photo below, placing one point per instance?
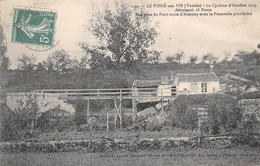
(170, 59)
(4, 60)
(124, 37)
(249, 58)
(193, 59)
(58, 61)
(210, 57)
(26, 62)
(179, 56)
(98, 59)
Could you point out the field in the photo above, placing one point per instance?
(234, 156)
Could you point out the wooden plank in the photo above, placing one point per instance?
(114, 97)
(75, 90)
(62, 90)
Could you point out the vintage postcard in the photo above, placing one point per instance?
(130, 82)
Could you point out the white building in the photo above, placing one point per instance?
(153, 88)
(198, 83)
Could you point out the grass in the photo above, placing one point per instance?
(79, 135)
(234, 156)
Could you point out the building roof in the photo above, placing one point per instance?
(146, 83)
(198, 77)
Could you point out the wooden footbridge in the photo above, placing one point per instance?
(140, 95)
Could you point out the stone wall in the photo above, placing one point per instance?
(250, 106)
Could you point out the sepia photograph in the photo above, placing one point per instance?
(129, 82)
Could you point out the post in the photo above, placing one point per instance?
(107, 119)
(115, 113)
(120, 110)
(34, 96)
(133, 110)
(90, 134)
(161, 101)
(88, 112)
(91, 128)
(199, 128)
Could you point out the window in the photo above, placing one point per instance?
(194, 87)
(203, 87)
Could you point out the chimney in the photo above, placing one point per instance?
(211, 68)
(172, 75)
(164, 80)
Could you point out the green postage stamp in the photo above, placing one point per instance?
(33, 26)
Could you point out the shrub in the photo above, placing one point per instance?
(222, 110)
(249, 95)
(51, 121)
(19, 123)
(80, 114)
(9, 129)
(245, 133)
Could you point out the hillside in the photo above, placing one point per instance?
(18, 80)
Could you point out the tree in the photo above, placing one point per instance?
(170, 59)
(227, 56)
(193, 59)
(80, 64)
(58, 61)
(179, 56)
(123, 35)
(4, 60)
(248, 58)
(98, 59)
(26, 62)
(210, 57)
(40, 67)
(83, 62)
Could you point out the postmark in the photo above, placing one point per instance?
(33, 26)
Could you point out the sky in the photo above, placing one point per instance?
(196, 36)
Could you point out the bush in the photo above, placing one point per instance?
(249, 95)
(222, 110)
(51, 121)
(80, 114)
(9, 129)
(20, 123)
(246, 132)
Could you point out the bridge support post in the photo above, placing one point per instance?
(107, 118)
(88, 107)
(120, 111)
(134, 110)
(115, 113)
(120, 115)
(91, 126)
(161, 101)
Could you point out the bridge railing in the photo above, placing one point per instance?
(110, 92)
